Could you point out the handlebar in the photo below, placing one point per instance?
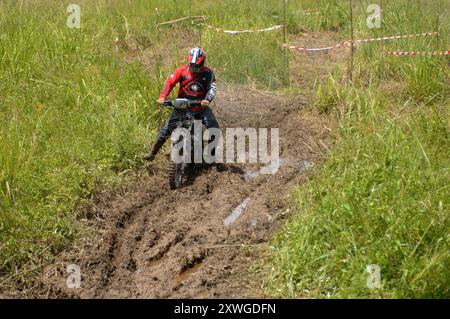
(181, 104)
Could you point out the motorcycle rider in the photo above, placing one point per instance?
(197, 82)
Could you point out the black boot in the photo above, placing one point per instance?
(158, 144)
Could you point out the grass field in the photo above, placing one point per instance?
(75, 115)
(383, 195)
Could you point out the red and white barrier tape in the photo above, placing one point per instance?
(396, 37)
(193, 18)
(308, 12)
(276, 27)
(349, 42)
(416, 53)
(339, 45)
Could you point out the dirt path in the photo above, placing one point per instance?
(150, 242)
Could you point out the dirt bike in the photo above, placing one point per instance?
(178, 172)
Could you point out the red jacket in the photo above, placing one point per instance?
(193, 86)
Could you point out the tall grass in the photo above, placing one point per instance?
(247, 57)
(73, 115)
(382, 197)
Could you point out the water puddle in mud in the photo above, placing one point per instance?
(307, 165)
(303, 165)
(248, 175)
(236, 212)
(185, 275)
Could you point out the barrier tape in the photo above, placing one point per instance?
(339, 45)
(395, 37)
(194, 21)
(417, 53)
(275, 27)
(308, 12)
(196, 18)
(349, 42)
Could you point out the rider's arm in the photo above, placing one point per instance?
(173, 79)
(211, 93)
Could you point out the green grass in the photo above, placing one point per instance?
(73, 115)
(382, 196)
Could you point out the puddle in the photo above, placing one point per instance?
(236, 212)
(185, 275)
(248, 175)
(303, 165)
(306, 165)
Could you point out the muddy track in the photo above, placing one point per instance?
(150, 242)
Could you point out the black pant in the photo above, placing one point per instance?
(205, 115)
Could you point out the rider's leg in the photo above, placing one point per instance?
(210, 121)
(161, 139)
(163, 135)
(208, 118)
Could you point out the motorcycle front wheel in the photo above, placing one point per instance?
(176, 175)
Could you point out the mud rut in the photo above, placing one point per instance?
(150, 242)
